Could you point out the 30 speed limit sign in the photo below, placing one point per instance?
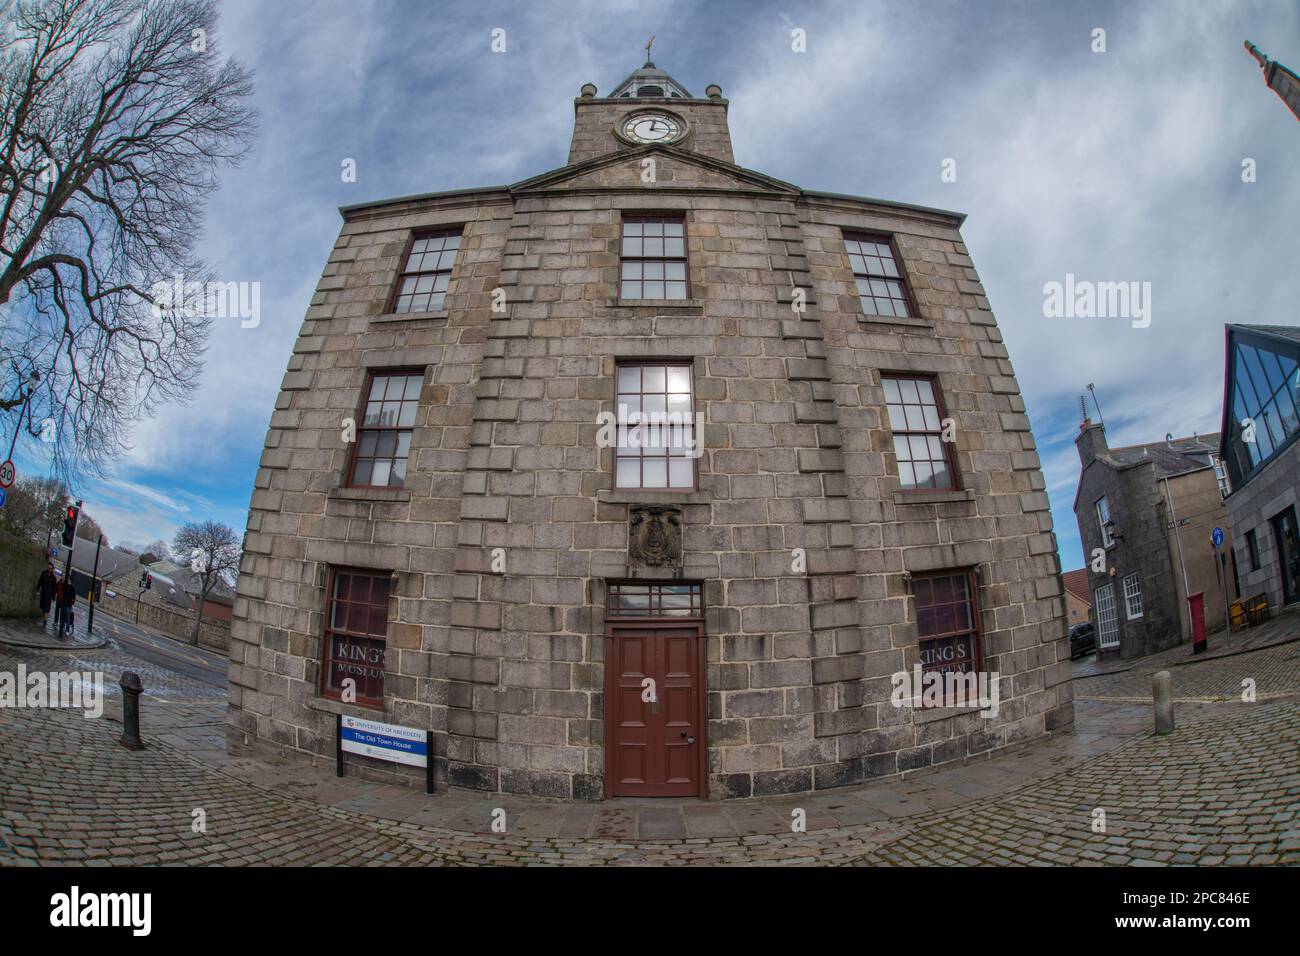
(7, 474)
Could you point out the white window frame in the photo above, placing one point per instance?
(1101, 506)
(1134, 594)
(1103, 602)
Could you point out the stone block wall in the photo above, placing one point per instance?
(594, 121)
(21, 564)
(507, 668)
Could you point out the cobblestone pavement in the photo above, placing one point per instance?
(1224, 788)
(1274, 671)
(1226, 791)
(1283, 627)
(21, 632)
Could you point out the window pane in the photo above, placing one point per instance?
(629, 378)
(682, 470)
(629, 473)
(652, 378)
(679, 378)
(655, 473)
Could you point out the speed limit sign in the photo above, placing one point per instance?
(7, 474)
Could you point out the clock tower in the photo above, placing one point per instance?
(649, 107)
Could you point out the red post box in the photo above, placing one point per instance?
(1196, 608)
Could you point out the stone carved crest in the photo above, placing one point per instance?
(655, 536)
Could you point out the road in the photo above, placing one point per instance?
(197, 663)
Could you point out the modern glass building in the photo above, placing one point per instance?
(1261, 425)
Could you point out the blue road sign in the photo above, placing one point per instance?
(4, 496)
(54, 552)
(1217, 536)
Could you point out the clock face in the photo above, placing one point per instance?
(652, 127)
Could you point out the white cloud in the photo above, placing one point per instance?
(1115, 166)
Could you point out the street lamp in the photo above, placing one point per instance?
(32, 381)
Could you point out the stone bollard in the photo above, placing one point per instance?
(1162, 692)
(131, 690)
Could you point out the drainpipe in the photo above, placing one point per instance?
(1169, 497)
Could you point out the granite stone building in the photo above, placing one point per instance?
(1261, 446)
(1149, 511)
(456, 527)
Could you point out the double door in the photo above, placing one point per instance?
(655, 719)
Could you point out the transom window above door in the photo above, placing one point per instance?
(655, 600)
(653, 259)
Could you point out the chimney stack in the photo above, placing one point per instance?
(1091, 441)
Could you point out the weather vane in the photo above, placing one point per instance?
(648, 46)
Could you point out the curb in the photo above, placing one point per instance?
(1194, 660)
(76, 644)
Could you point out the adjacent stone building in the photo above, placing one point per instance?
(1261, 446)
(451, 532)
(1146, 515)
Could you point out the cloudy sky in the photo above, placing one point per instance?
(1117, 166)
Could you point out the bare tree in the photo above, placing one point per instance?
(88, 528)
(212, 550)
(158, 551)
(34, 509)
(115, 117)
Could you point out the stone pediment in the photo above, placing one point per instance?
(673, 169)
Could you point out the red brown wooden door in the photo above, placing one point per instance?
(655, 748)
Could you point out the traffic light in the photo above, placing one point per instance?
(146, 580)
(70, 524)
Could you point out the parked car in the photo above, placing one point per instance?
(1083, 640)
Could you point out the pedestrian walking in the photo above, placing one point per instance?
(67, 598)
(46, 585)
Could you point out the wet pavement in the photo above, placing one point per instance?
(1224, 788)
